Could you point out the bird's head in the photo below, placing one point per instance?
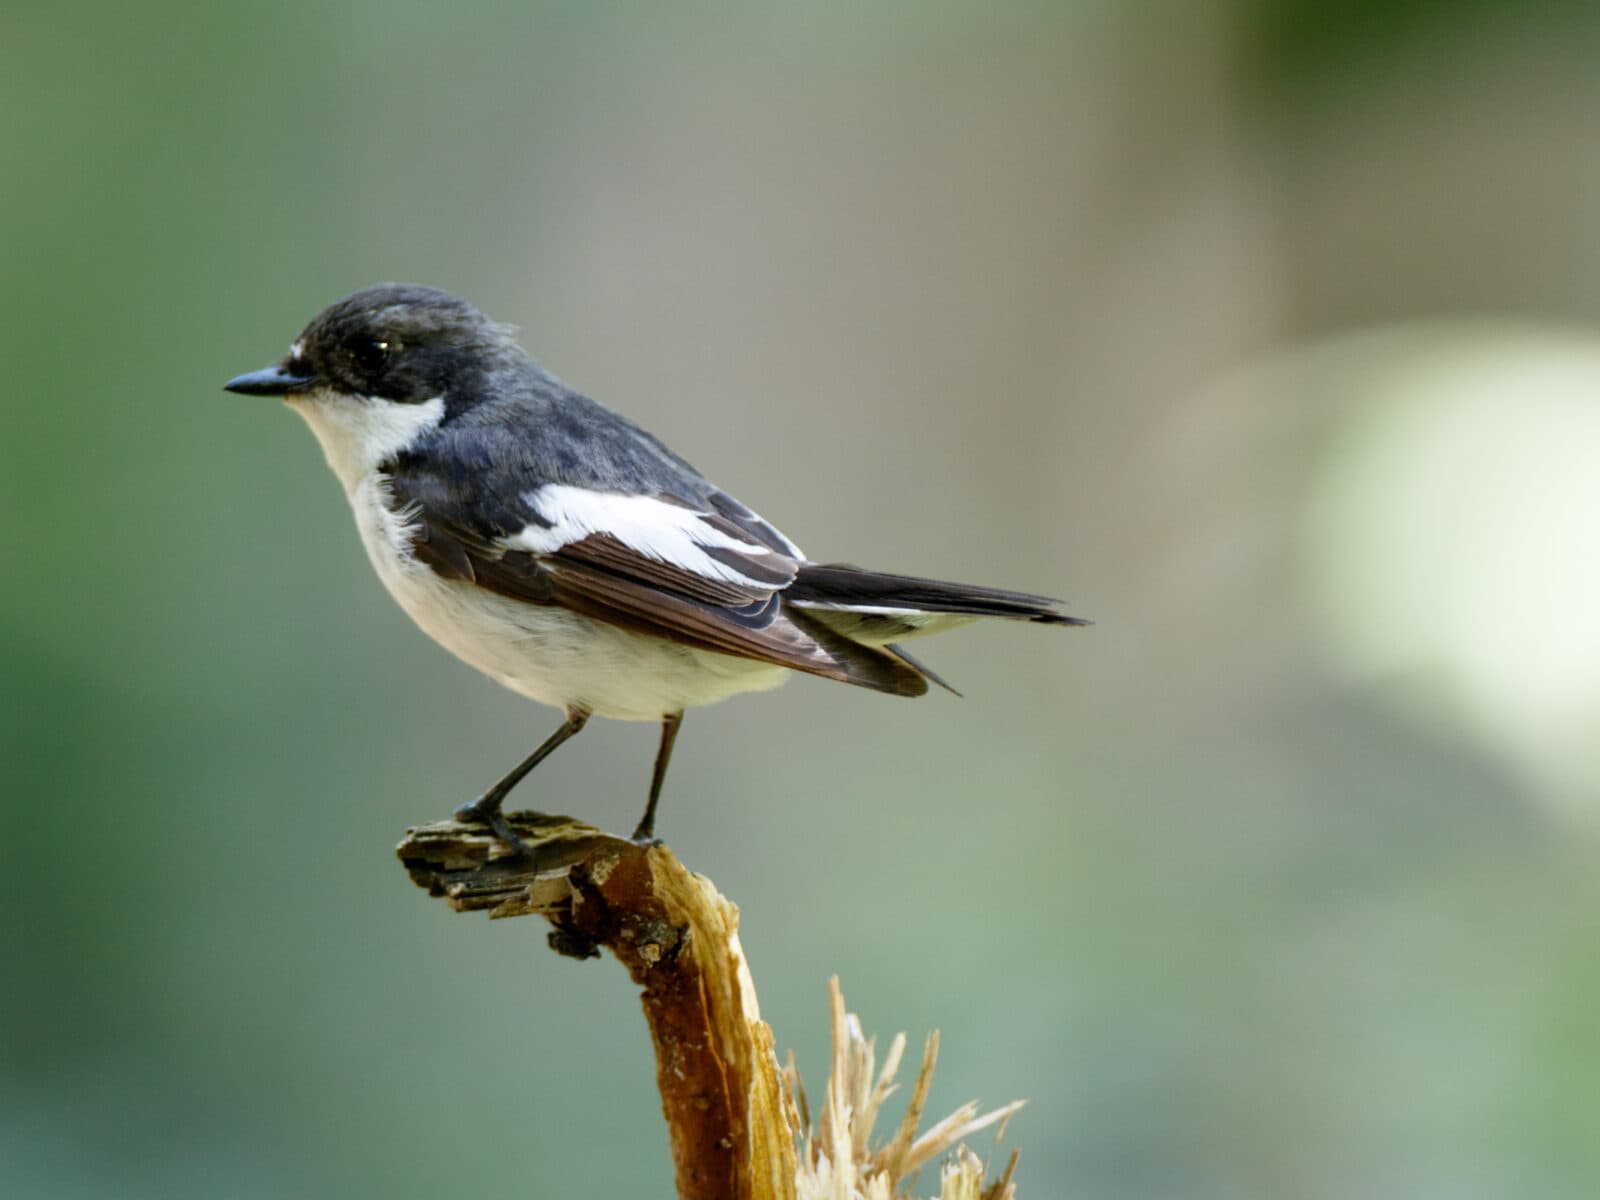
(399, 343)
(381, 369)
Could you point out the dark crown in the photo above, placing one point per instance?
(402, 342)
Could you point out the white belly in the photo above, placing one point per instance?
(548, 654)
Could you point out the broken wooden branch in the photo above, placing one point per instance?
(678, 938)
(735, 1119)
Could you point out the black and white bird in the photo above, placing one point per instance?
(568, 554)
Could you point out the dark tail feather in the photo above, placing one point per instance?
(864, 666)
(928, 672)
(839, 585)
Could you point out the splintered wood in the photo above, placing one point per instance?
(739, 1126)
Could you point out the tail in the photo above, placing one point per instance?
(839, 587)
(875, 609)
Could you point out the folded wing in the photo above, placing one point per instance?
(701, 571)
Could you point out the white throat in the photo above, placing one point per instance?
(358, 433)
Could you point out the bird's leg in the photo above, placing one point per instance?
(669, 732)
(486, 808)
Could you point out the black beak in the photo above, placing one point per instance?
(270, 381)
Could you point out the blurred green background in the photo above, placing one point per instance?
(1265, 331)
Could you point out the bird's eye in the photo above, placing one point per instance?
(370, 354)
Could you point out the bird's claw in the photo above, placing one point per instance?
(478, 812)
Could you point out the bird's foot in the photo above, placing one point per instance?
(480, 812)
(646, 837)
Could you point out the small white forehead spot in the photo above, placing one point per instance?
(297, 349)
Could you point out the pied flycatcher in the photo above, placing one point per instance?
(568, 554)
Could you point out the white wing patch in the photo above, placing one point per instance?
(876, 610)
(657, 529)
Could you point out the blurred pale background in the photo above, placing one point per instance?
(1265, 331)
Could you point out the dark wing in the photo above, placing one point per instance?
(700, 571)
